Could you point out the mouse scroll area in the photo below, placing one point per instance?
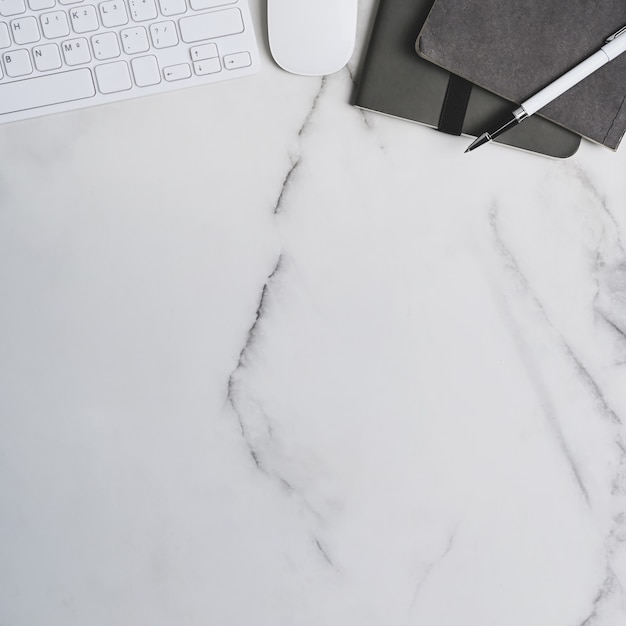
(312, 37)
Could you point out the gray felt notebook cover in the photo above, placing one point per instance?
(514, 48)
(395, 81)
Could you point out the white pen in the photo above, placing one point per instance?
(614, 46)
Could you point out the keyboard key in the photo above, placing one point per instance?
(146, 71)
(205, 51)
(45, 90)
(76, 51)
(208, 66)
(112, 77)
(134, 40)
(113, 13)
(211, 25)
(142, 10)
(38, 5)
(25, 30)
(84, 19)
(237, 60)
(163, 34)
(47, 57)
(12, 7)
(172, 7)
(55, 25)
(198, 5)
(177, 72)
(69, 1)
(105, 46)
(17, 63)
(5, 40)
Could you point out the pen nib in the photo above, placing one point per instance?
(479, 141)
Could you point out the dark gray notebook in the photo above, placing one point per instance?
(395, 81)
(514, 48)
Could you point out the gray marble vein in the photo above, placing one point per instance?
(235, 378)
(611, 585)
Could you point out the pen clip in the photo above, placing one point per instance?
(619, 33)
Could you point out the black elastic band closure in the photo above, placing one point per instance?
(454, 105)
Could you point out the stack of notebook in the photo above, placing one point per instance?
(460, 66)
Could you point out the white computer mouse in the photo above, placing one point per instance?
(312, 37)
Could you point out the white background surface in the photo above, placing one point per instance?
(267, 360)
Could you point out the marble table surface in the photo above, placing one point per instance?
(265, 359)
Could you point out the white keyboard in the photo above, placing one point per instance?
(57, 55)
